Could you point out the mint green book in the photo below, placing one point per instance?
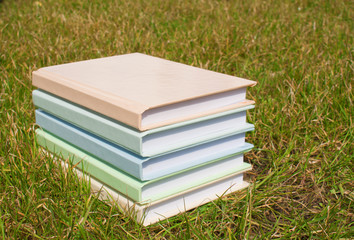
(142, 191)
(149, 143)
(152, 212)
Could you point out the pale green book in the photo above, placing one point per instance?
(152, 212)
(142, 191)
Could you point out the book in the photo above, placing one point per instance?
(143, 91)
(150, 142)
(136, 190)
(137, 166)
(153, 212)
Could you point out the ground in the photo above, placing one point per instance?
(299, 52)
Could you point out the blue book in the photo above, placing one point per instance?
(146, 168)
(151, 142)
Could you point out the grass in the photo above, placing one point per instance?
(299, 52)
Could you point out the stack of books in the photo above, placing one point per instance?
(155, 136)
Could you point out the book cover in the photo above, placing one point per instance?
(142, 91)
(141, 191)
(140, 167)
(151, 142)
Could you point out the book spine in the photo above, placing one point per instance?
(87, 120)
(89, 143)
(89, 165)
(107, 104)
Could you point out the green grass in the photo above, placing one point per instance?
(299, 52)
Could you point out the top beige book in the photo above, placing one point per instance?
(143, 91)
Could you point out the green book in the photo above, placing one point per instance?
(156, 211)
(136, 190)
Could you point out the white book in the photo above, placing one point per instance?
(150, 213)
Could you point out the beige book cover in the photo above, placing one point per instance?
(143, 91)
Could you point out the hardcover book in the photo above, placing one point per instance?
(134, 189)
(152, 142)
(140, 167)
(142, 91)
(150, 213)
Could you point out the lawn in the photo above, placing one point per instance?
(299, 52)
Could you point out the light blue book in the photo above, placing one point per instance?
(145, 168)
(152, 142)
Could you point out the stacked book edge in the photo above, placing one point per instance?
(154, 136)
